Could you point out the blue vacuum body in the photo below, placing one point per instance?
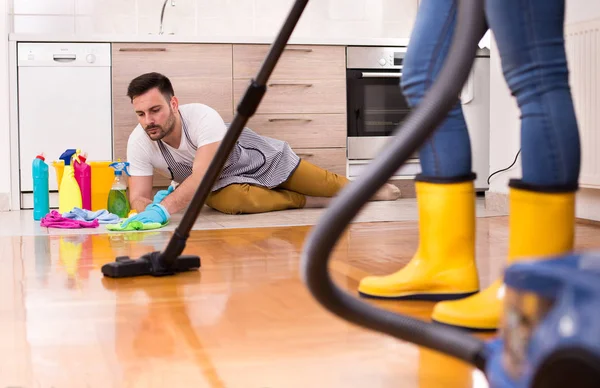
(550, 333)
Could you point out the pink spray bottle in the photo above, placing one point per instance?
(83, 176)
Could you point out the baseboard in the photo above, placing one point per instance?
(4, 202)
(587, 205)
(585, 221)
(497, 202)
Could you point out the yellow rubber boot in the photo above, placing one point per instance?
(443, 267)
(541, 225)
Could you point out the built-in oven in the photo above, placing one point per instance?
(376, 106)
(375, 102)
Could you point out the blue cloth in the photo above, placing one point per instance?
(154, 213)
(103, 216)
(530, 40)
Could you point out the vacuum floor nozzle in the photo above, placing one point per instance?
(149, 264)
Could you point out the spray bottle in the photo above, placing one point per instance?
(83, 176)
(69, 194)
(117, 197)
(41, 193)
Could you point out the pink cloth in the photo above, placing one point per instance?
(55, 220)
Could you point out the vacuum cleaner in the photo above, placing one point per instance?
(550, 334)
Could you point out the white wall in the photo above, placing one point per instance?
(504, 127)
(321, 18)
(505, 123)
(580, 10)
(4, 111)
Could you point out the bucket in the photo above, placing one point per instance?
(102, 180)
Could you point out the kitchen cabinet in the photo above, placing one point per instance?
(298, 96)
(331, 159)
(303, 130)
(296, 62)
(199, 73)
(305, 103)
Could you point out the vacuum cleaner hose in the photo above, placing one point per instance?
(408, 138)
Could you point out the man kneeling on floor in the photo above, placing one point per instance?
(262, 174)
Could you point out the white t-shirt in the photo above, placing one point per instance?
(204, 126)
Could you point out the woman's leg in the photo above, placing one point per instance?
(444, 265)
(534, 64)
(447, 153)
(529, 34)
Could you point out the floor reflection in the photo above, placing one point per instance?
(245, 319)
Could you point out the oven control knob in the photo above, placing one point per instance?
(382, 62)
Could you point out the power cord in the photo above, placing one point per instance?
(505, 169)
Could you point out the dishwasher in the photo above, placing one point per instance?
(64, 101)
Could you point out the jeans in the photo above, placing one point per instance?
(529, 35)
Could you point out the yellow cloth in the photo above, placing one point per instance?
(306, 180)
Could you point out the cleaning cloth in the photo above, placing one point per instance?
(55, 220)
(103, 216)
(136, 225)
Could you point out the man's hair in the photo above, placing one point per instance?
(145, 82)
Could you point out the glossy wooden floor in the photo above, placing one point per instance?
(244, 320)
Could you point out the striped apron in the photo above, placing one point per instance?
(255, 160)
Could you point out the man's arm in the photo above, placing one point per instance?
(140, 192)
(182, 196)
(141, 170)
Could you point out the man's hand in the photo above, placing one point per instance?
(154, 213)
(180, 198)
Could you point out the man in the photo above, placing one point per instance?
(261, 174)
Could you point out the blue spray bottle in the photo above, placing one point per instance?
(41, 193)
(118, 203)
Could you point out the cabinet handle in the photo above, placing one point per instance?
(381, 75)
(305, 85)
(304, 50)
(308, 154)
(290, 119)
(142, 49)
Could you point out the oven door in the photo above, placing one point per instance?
(376, 105)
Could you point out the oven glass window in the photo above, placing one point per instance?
(376, 105)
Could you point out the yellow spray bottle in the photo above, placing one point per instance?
(69, 193)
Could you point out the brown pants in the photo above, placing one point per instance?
(307, 180)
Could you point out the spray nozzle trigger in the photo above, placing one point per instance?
(80, 157)
(67, 155)
(120, 167)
